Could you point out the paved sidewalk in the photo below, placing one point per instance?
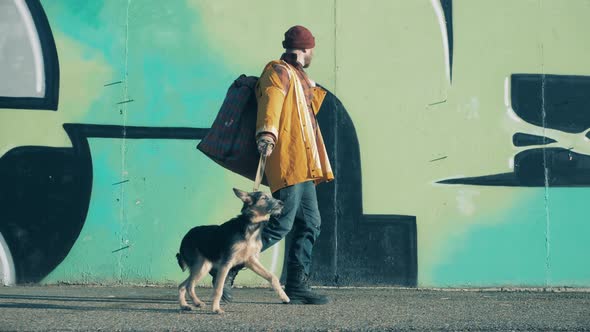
(80, 308)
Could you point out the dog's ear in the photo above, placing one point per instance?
(244, 196)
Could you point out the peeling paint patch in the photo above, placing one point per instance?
(465, 202)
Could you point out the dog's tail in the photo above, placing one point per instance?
(181, 262)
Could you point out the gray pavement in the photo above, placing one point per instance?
(83, 308)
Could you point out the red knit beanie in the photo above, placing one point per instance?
(298, 37)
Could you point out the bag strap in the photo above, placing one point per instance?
(300, 98)
(260, 170)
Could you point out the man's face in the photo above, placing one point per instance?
(308, 57)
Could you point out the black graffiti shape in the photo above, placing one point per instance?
(50, 66)
(502, 179)
(45, 194)
(447, 6)
(564, 168)
(559, 102)
(522, 139)
(355, 248)
(43, 202)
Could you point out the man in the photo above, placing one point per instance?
(288, 133)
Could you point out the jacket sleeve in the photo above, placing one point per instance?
(270, 94)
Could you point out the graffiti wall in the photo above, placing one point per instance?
(458, 132)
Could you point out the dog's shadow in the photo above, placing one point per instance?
(160, 300)
(119, 304)
(45, 306)
(255, 302)
(106, 303)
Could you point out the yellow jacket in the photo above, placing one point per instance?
(300, 154)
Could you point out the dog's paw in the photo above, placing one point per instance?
(218, 311)
(286, 300)
(185, 308)
(199, 304)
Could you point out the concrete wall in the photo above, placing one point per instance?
(458, 131)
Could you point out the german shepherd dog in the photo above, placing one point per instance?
(222, 247)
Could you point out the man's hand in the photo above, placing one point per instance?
(266, 143)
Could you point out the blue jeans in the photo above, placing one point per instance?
(301, 215)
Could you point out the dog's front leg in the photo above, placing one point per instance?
(255, 265)
(220, 281)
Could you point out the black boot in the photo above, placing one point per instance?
(298, 289)
(229, 282)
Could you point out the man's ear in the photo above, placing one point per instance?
(244, 196)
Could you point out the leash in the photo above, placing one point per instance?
(260, 171)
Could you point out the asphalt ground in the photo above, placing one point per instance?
(93, 308)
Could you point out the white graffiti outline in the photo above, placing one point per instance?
(7, 273)
(27, 19)
(443, 29)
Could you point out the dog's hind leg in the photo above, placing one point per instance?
(198, 271)
(182, 295)
(256, 267)
(219, 281)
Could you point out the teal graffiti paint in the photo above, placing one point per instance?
(509, 248)
(146, 193)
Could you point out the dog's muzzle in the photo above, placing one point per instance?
(277, 210)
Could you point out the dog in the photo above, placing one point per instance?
(237, 241)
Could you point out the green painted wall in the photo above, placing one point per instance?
(385, 61)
